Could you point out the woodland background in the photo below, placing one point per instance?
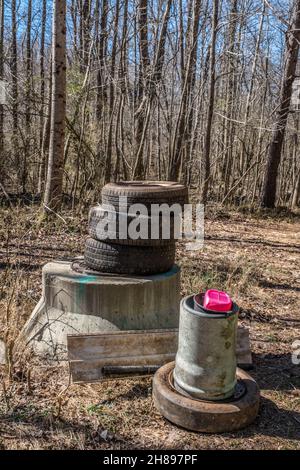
(189, 90)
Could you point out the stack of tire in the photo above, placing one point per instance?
(109, 253)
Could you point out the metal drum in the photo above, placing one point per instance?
(205, 366)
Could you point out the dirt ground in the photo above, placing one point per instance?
(255, 258)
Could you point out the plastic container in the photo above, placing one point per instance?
(213, 301)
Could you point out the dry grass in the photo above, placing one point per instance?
(255, 258)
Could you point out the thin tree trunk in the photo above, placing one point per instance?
(74, 16)
(85, 33)
(181, 42)
(42, 70)
(296, 190)
(124, 90)
(28, 100)
(296, 193)
(152, 83)
(42, 162)
(108, 161)
(181, 124)
(101, 89)
(249, 95)
(14, 91)
(1, 78)
(53, 191)
(45, 140)
(140, 111)
(211, 98)
(230, 97)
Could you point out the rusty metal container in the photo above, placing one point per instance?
(205, 366)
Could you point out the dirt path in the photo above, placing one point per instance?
(256, 259)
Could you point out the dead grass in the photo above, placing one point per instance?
(256, 258)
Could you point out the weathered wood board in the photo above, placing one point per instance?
(89, 354)
(243, 349)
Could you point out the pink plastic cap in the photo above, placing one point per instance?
(217, 300)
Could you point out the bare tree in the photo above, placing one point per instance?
(180, 133)
(275, 150)
(296, 193)
(42, 69)
(85, 31)
(152, 81)
(14, 87)
(156, 89)
(101, 41)
(109, 150)
(27, 95)
(140, 112)
(53, 190)
(230, 71)
(1, 78)
(211, 97)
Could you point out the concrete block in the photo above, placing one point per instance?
(85, 303)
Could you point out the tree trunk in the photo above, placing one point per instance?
(53, 191)
(296, 193)
(296, 184)
(42, 162)
(250, 92)
(230, 93)
(27, 99)
(211, 98)
(181, 124)
(45, 140)
(1, 78)
(101, 89)
(107, 173)
(152, 82)
(85, 33)
(14, 86)
(141, 110)
(42, 70)
(274, 155)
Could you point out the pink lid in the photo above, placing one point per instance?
(217, 300)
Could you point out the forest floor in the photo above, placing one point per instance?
(254, 257)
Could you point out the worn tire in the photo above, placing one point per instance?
(205, 416)
(97, 213)
(119, 259)
(145, 192)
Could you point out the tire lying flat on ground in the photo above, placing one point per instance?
(205, 416)
(119, 259)
(145, 192)
(98, 214)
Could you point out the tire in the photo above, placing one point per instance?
(98, 213)
(205, 416)
(119, 259)
(145, 192)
